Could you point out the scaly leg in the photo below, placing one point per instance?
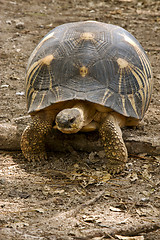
(33, 138)
(114, 146)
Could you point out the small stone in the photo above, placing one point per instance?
(17, 34)
(20, 93)
(89, 219)
(20, 25)
(40, 210)
(113, 209)
(2, 181)
(14, 3)
(18, 50)
(9, 22)
(4, 86)
(145, 199)
(133, 177)
(59, 191)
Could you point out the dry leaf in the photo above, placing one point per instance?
(106, 178)
(132, 176)
(146, 175)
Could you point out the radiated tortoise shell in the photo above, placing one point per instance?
(93, 61)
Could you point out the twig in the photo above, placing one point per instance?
(74, 212)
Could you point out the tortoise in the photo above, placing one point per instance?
(86, 76)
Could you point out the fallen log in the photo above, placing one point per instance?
(136, 142)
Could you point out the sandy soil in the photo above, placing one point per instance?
(71, 196)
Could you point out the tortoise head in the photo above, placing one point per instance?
(70, 120)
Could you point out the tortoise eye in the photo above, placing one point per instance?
(72, 120)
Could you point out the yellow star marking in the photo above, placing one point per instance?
(48, 36)
(132, 101)
(30, 92)
(36, 67)
(57, 93)
(83, 71)
(87, 36)
(124, 105)
(138, 77)
(130, 41)
(143, 97)
(143, 59)
(106, 96)
(33, 97)
(47, 60)
(38, 47)
(41, 101)
(122, 63)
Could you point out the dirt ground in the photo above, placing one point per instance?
(71, 196)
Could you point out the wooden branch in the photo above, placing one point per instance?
(10, 135)
(126, 230)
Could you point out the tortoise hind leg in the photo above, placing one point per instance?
(114, 145)
(33, 138)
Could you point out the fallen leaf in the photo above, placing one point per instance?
(106, 178)
(132, 176)
(146, 175)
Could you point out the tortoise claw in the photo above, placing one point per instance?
(36, 157)
(114, 168)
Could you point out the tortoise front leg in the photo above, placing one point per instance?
(33, 138)
(114, 145)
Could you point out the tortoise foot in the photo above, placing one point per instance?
(34, 157)
(115, 149)
(33, 138)
(114, 166)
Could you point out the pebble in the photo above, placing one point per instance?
(20, 25)
(20, 93)
(9, 22)
(18, 50)
(4, 86)
(144, 199)
(14, 3)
